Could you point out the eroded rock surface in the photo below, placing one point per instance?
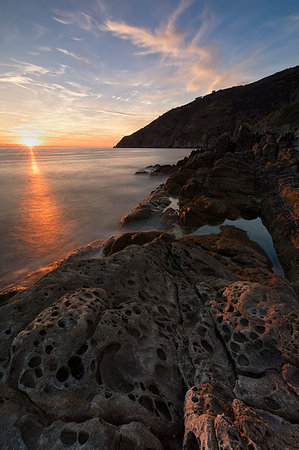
(102, 353)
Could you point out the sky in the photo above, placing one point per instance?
(86, 73)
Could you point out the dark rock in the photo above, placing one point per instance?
(116, 244)
(244, 138)
(224, 144)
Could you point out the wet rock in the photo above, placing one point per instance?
(116, 244)
(157, 169)
(150, 209)
(169, 218)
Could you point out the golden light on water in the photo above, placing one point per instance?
(34, 165)
(41, 226)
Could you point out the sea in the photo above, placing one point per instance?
(53, 200)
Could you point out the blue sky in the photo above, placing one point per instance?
(87, 73)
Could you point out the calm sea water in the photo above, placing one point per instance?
(54, 200)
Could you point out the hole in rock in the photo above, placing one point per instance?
(134, 332)
(68, 437)
(235, 347)
(27, 379)
(42, 332)
(35, 361)
(260, 329)
(242, 360)
(62, 374)
(61, 323)
(82, 349)
(153, 389)
(163, 409)
(38, 372)
(147, 403)
(239, 337)
(83, 437)
(163, 311)
(48, 349)
(244, 322)
(74, 362)
(207, 346)
(161, 354)
(225, 329)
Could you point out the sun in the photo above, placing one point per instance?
(29, 142)
(28, 138)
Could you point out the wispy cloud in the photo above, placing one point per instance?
(78, 18)
(64, 22)
(44, 48)
(195, 65)
(80, 58)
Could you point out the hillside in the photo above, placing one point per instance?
(200, 122)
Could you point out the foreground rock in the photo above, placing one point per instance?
(159, 345)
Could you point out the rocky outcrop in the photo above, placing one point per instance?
(227, 182)
(270, 101)
(150, 340)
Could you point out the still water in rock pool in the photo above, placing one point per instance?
(256, 231)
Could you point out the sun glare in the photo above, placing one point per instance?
(28, 138)
(29, 142)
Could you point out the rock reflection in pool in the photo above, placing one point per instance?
(256, 231)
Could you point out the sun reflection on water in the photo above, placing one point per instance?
(42, 225)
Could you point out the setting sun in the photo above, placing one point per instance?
(29, 142)
(28, 138)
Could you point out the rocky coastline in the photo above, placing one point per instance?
(154, 340)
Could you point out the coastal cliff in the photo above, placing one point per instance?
(199, 123)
